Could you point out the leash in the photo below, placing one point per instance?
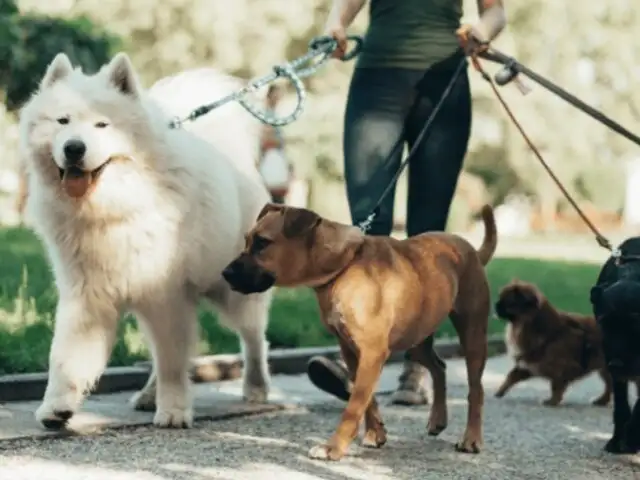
(510, 73)
(320, 50)
(600, 238)
(365, 225)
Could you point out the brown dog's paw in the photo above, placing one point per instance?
(374, 438)
(469, 445)
(325, 452)
(437, 420)
(471, 441)
(551, 402)
(434, 430)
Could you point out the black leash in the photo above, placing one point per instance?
(365, 225)
(511, 70)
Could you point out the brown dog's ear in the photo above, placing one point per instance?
(269, 207)
(299, 221)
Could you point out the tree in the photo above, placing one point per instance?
(29, 42)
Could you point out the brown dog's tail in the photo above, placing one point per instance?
(488, 247)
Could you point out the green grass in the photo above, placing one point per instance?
(28, 298)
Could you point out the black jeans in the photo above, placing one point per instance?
(385, 104)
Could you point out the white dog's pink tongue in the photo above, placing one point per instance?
(75, 182)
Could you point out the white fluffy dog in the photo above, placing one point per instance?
(139, 217)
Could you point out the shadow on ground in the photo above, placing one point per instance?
(523, 440)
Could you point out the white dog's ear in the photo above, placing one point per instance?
(121, 75)
(58, 69)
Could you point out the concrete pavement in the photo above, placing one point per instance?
(523, 440)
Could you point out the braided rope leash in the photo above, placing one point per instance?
(601, 239)
(320, 49)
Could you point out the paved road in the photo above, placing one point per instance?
(523, 440)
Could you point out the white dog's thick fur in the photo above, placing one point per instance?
(164, 217)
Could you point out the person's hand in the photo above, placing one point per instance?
(339, 34)
(471, 40)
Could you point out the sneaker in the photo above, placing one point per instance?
(411, 390)
(330, 377)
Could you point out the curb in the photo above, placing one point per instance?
(212, 368)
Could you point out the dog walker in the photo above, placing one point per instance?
(319, 52)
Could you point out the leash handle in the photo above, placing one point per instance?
(329, 44)
(322, 47)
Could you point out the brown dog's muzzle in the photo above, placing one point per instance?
(245, 276)
(502, 311)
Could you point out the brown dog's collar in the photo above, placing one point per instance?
(335, 276)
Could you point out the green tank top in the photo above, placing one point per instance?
(410, 33)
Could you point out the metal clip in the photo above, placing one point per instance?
(365, 225)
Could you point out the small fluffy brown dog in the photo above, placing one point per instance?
(378, 294)
(561, 347)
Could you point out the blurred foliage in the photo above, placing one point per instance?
(588, 48)
(29, 42)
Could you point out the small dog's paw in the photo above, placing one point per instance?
(325, 452)
(255, 393)
(54, 415)
(601, 401)
(499, 394)
(551, 402)
(374, 438)
(174, 418)
(143, 401)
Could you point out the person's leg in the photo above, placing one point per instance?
(436, 166)
(433, 173)
(378, 105)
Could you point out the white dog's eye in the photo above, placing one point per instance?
(102, 125)
(62, 120)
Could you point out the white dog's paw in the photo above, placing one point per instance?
(143, 401)
(174, 418)
(255, 393)
(54, 414)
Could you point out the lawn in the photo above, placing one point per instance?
(28, 298)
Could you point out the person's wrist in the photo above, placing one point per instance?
(479, 33)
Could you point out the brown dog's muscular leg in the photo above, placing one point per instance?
(515, 376)
(558, 387)
(604, 399)
(375, 435)
(472, 330)
(426, 355)
(370, 363)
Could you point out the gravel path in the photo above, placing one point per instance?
(523, 440)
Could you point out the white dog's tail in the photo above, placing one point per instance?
(230, 128)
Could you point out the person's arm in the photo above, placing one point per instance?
(343, 12)
(340, 17)
(492, 21)
(475, 38)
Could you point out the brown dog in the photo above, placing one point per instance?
(561, 347)
(378, 294)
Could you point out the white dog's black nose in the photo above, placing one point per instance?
(74, 151)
